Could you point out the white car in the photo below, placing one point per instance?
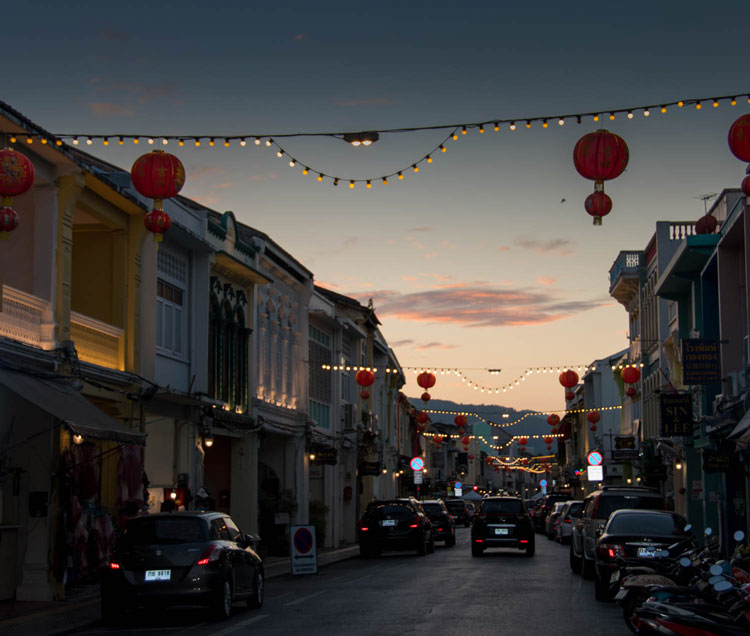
(570, 512)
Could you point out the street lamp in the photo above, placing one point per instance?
(361, 138)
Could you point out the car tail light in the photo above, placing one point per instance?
(478, 540)
(364, 528)
(415, 522)
(212, 553)
(114, 566)
(676, 628)
(440, 529)
(524, 541)
(611, 550)
(566, 520)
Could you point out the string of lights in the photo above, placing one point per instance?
(457, 131)
(525, 415)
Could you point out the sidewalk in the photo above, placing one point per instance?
(81, 609)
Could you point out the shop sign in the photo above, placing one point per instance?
(326, 455)
(370, 468)
(700, 361)
(625, 443)
(697, 490)
(716, 461)
(676, 414)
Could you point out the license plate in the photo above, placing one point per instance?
(501, 530)
(158, 575)
(647, 552)
(388, 522)
(620, 595)
(615, 577)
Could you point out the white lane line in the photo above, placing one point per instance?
(361, 578)
(338, 578)
(238, 626)
(305, 598)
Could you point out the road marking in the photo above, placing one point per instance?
(305, 598)
(240, 625)
(361, 578)
(338, 578)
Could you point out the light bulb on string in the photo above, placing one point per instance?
(89, 141)
(630, 114)
(561, 122)
(197, 143)
(733, 102)
(481, 129)
(663, 109)
(136, 141)
(463, 130)
(680, 104)
(429, 159)
(497, 127)
(150, 141)
(243, 143)
(269, 142)
(646, 112)
(512, 125)
(257, 141)
(226, 143)
(415, 167)
(596, 117)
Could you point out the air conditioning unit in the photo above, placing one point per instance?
(733, 384)
(348, 416)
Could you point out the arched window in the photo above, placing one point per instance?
(214, 322)
(267, 336)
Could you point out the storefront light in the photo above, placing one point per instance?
(77, 439)
(208, 438)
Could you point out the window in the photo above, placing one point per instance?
(170, 302)
(320, 414)
(320, 379)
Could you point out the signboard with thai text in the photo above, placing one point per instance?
(700, 361)
(716, 461)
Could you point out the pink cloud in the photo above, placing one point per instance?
(479, 305)
(435, 345)
(299, 36)
(201, 172)
(327, 285)
(409, 278)
(546, 280)
(503, 248)
(422, 228)
(563, 247)
(110, 109)
(448, 245)
(401, 343)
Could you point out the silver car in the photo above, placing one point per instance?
(570, 512)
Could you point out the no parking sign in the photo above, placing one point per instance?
(302, 550)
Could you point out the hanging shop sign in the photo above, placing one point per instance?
(326, 455)
(370, 468)
(624, 448)
(716, 461)
(700, 361)
(676, 414)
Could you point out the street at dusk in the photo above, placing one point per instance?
(417, 317)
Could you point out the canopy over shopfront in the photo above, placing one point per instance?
(61, 400)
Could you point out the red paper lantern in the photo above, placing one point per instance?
(569, 395)
(523, 441)
(549, 447)
(631, 375)
(593, 428)
(631, 392)
(465, 441)
(745, 185)
(548, 439)
(525, 461)
(422, 417)
(568, 379)
(598, 204)
(707, 223)
(158, 176)
(600, 156)
(8, 221)
(364, 394)
(460, 420)
(364, 377)
(426, 380)
(466, 448)
(593, 416)
(461, 430)
(739, 138)
(438, 439)
(553, 419)
(425, 397)
(471, 458)
(16, 173)
(157, 222)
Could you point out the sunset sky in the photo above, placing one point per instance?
(486, 257)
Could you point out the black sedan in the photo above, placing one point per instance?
(182, 558)
(636, 535)
(395, 524)
(502, 522)
(443, 526)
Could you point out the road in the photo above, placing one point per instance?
(447, 593)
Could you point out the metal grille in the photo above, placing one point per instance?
(171, 265)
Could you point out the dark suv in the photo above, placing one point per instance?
(596, 510)
(502, 522)
(395, 524)
(459, 511)
(443, 526)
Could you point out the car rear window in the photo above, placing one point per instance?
(574, 510)
(455, 505)
(159, 530)
(432, 509)
(647, 524)
(506, 506)
(611, 502)
(392, 511)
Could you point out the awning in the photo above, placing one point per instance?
(61, 400)
(741, 432)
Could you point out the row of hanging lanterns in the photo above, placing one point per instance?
(16, 177)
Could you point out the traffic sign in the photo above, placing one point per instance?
(543, 483)
(416, 463)
(594, 458)
(302, 550)
(458, 485)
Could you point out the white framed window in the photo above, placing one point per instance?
(170, 318)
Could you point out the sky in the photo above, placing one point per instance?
(485, 259)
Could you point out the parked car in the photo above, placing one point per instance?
(596, 510)
(182, 558)
(570, 512)
(502, 522)
(443, 526)
(550, 524)
(544, 507)
(635, 535)
(457, 508)
(395, 524)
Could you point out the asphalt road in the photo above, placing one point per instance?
(446, 593)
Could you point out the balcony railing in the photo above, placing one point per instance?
(626, 263)
(27, 319)
(679, 230)
(98, 342)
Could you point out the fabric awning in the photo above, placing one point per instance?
(61, 400)
(741, 432)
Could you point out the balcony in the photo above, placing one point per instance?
(98, 342)
(624, 276)
(26, 318)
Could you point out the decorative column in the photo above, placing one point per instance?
(69, 191)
